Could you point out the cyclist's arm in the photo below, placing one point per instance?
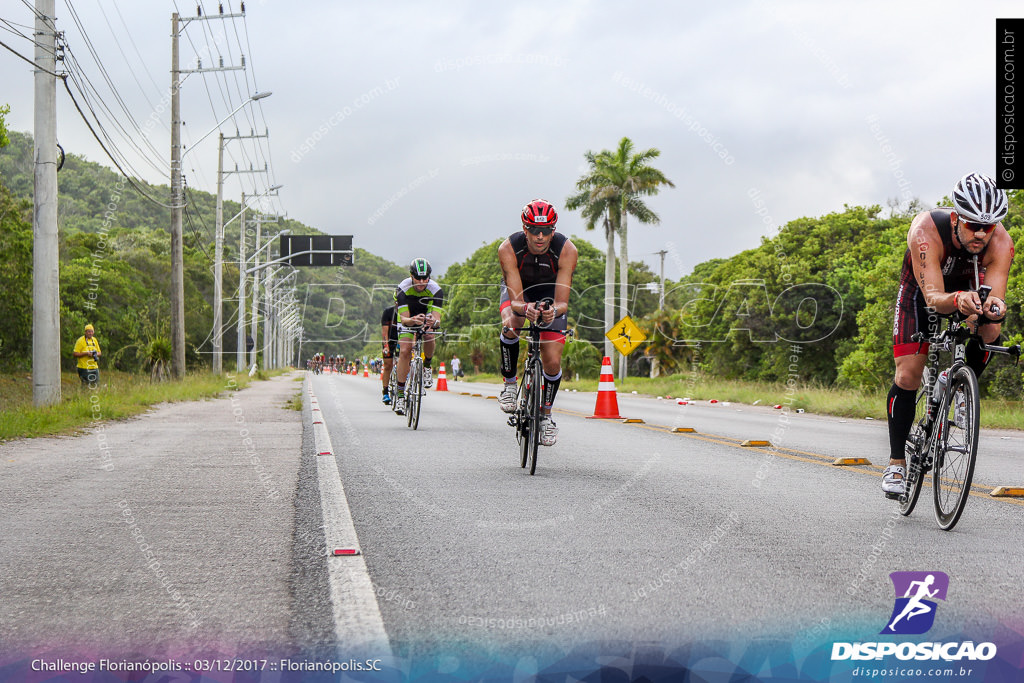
(998, 258)
(926, 254)
(563, 281)
(436, 308)
(402, 309)
(513, 282)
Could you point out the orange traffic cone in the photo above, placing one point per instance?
(366, 371)
(607, 401)
(442, 382)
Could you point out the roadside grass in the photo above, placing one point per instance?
(995, 413)
(295, 402)
(118, 396)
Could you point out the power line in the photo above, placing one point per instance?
(110, 84)
(21, 56)
(109, 155)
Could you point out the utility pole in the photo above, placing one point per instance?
(269, 319)
(177, 258)
(240, 350)
(218, 262)
(45, 256)
(661, 297)
(178, 199)
(255, 288)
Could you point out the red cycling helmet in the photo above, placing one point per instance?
(539, 213)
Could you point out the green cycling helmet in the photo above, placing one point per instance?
(419, 268)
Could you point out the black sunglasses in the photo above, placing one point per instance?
(539, 230)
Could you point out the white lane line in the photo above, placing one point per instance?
(357, 620)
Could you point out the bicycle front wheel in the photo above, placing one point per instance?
(957, 447)
(916, 452)
(523, 412)
(536, 398)
(414, 416)
(412, 393)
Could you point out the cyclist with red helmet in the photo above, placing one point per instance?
(949, 252)
(537, 266)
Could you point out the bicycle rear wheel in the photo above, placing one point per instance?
(917, 449)
(393, 386)
(536, 398)
(957, 447)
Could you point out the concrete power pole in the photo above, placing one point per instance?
(661, 296)
(177, 258)
(240, 351)
(218, 263)
(45, 257)
(255, 289)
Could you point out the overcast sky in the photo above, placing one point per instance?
(423, 127)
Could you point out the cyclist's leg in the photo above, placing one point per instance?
(387, 362)
(901, 403)
(551, 347)
(428, 360)
(977, 359)
(911, 316)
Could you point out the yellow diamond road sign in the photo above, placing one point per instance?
(626, 336)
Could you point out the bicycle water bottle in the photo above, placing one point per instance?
(940, 385)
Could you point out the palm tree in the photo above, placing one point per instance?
(615, 184)
(596, 197)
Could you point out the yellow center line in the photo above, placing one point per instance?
(793, 454)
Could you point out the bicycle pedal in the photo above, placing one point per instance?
(893, 496)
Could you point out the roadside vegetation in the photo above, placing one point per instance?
(119, 395)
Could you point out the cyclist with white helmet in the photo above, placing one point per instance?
(537, 266)
(949, 252)
(419, 302)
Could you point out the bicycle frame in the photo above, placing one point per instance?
(529, 400)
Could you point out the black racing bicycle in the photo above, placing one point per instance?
(414, 389)
(526, 417)
(944, 438)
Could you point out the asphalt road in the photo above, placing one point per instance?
(632, 533)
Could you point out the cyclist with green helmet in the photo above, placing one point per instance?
(419, 302)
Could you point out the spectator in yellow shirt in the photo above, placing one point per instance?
(87, 351)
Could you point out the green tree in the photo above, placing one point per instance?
(4, 111)
(16, 283)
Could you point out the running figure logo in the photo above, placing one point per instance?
(914, 612)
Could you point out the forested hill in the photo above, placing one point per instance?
(829, 283)
(115, 244)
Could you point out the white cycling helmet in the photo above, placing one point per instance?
(977, 199)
